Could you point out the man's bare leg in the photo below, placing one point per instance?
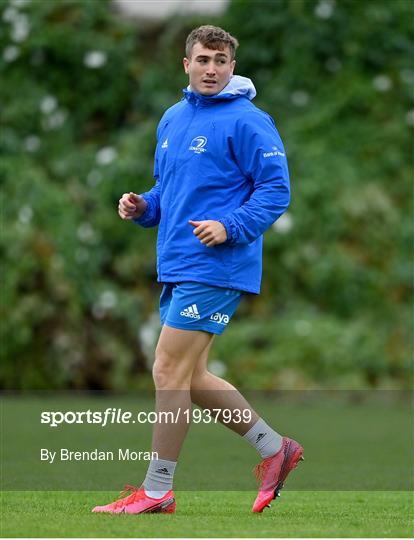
(211, 392)
(177, 354)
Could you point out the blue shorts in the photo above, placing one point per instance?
(196, 306)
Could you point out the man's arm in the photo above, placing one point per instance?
(144, 209)
(152, 214)
(261, 157)
(141, 209)
(131, 206)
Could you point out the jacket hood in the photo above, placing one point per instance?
(237, 86)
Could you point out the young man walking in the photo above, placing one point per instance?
(221, 181)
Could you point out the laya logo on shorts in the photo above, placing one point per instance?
(197, 144)
(220, 318)
(190, 311)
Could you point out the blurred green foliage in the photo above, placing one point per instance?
(81, 94)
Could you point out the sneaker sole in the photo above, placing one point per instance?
(166, 507)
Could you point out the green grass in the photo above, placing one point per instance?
(359, 453)
(212, 514)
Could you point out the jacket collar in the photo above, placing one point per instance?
(238, 86)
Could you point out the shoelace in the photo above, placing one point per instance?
(123, 499)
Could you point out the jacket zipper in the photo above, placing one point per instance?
(174, 168)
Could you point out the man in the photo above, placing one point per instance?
(221, 181)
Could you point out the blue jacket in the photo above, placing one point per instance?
(221, 158)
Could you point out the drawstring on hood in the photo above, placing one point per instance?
(237, 86)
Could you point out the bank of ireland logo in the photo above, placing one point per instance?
(275, 152)
(197, 144)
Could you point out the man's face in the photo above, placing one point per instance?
(209, 70)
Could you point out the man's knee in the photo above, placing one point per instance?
(169, 371)
(176, 357)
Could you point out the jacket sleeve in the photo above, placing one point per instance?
(152, 215)
(260, 155)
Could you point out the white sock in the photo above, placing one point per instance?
(262, 437)
(159, 479)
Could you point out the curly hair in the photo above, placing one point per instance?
(212, 37)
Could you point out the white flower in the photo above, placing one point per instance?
(409, 118)
(25, 214)
(20, 29)
(48, 104)
(303, 328)
(19, 3)
(106, 155)
(108, 299)
(284, 224)
(32, 143)
(382, 83)
(62, 341)
(54, 121)
(94, 59)
(217, 368)
(148, 336)
(94, 178)
(300, 98)
(324, 9)
(10, 15)
(10, 53)
(86, 232)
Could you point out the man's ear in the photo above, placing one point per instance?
(186, 63)
(233, 65)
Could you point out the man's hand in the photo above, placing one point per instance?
(209, 232)
(131, 206)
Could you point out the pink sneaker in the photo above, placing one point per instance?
(272, 472)
(139, 503)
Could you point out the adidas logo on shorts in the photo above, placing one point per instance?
(191, 311)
